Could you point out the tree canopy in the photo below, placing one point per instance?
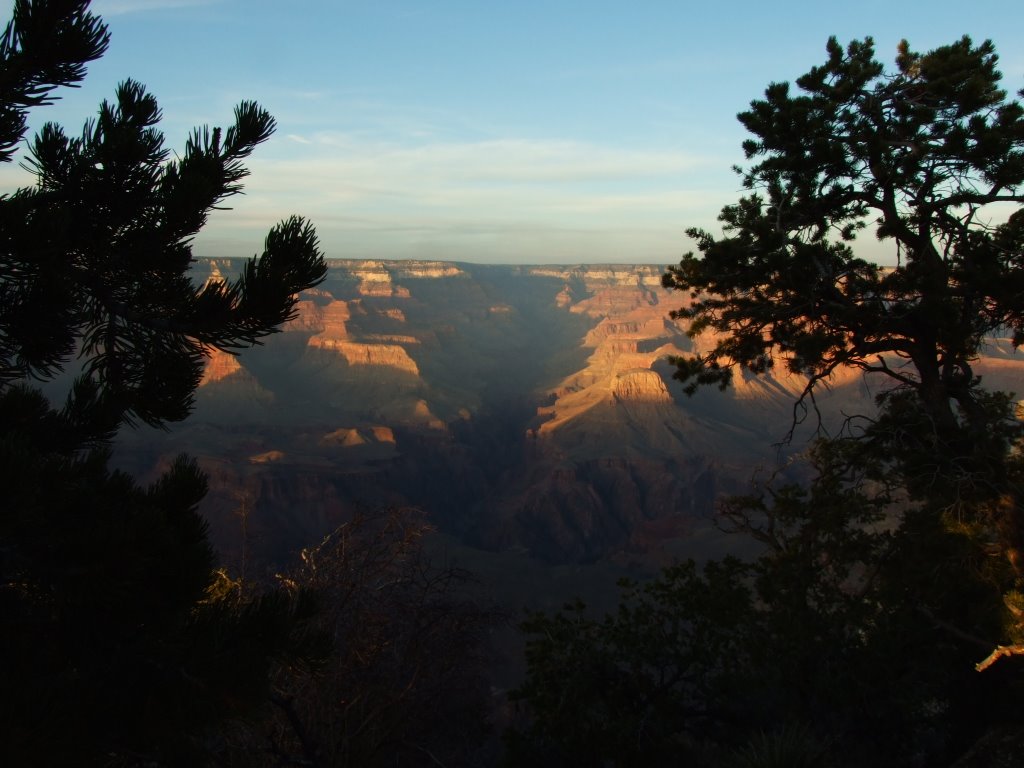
(854, 637)
(921, 156)
(94, 260)
(116, 645)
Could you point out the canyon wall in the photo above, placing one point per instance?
(526, 409)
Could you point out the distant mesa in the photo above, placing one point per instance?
(228, 391)
(352, 437)
(564, 298)
(619, 275)
(423, 414)
(640, 385)
(266, 457)
(219, 365)
(376, 279)
(608, 328)
(316, 293)
(317, 316)
(425, 270)
(344, 437)
(357, 353)
(390, 338)
(383, 434)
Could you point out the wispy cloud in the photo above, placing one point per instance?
(506, 161)
(510, 199)
(119, 7)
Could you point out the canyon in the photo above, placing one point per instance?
(529, 411)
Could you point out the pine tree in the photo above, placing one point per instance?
(116, 646)
(919, 155)
(900, 563)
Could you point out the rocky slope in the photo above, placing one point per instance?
(525, 408)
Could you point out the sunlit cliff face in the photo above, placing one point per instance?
(522, 407)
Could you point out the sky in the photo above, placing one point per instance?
(514, 132)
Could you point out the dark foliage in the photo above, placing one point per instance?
(916, 155)
(852, 639)
(95, 262)
(46, 45)
(919, 155)
(405, 681)
(116, 647)
(826, 650)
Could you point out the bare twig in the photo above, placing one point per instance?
(999, 652)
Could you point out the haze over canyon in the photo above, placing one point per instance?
(524, 409)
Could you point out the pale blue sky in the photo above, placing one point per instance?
(519, 132)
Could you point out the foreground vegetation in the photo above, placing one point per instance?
(121, 642)
(875, 627)
(882, 624)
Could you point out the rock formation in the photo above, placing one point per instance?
(640, 385)
(357, 353)
(219, 365)
(526, 409)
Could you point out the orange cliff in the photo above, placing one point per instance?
(640, 385)
(357, 353)
(419, 383)
(328, 320)
(219, 365)
(633, 334)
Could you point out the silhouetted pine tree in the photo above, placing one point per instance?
(116, 645)
(852, 640)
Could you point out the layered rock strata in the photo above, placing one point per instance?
(528, 409)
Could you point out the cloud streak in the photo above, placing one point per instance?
(347, 160)
(495, 200)
(121, 7)
(508, 199)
